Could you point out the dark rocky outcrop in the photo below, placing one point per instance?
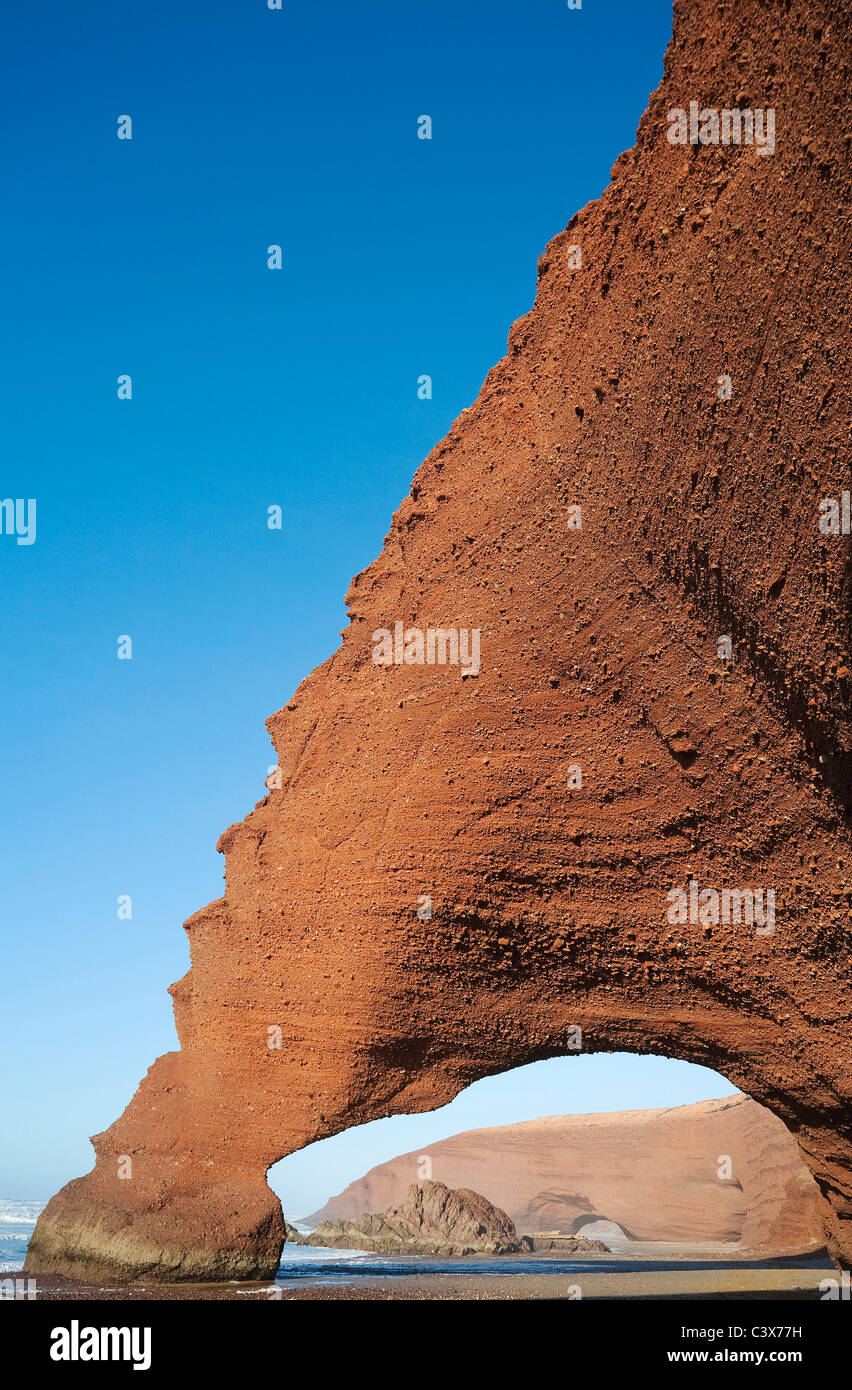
(432, 1220)
(563, 1243)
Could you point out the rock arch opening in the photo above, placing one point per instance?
(644, 1148)
(601, 1228)
(573, 1085)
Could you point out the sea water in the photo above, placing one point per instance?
(17, 1223)
(317, 1265)
(301, 1264)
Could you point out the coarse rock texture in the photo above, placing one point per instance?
(599, 648)
(563, 1242)
(431, 1220)
(658, 1174)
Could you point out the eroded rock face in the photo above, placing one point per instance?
(431, 1220)
(717, 1171)
(559, 1241)
(599, 649)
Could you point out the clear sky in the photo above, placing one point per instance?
(251, 388)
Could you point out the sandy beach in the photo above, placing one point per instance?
(671, 1279)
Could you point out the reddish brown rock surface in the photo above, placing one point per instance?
(655, 1173)
(599, 648)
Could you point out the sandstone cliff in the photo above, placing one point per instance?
(658, 1174)
(600, 648)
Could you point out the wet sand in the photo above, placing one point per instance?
(672, 1279)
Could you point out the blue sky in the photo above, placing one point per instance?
(250, 388)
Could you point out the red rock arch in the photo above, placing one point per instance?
(580, 1223)
(599, 649)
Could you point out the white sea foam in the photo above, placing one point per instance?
(17, 1223)
(19, 1213)
(319, 1254)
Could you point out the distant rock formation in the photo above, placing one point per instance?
(655, 1173)
(432, 1220)
(563, 1243)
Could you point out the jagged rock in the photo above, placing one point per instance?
(433, 1220)
(405, 784)
(564, 1243)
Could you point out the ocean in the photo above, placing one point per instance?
(302, 1264)
(17, 1223)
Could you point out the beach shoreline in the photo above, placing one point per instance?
(686, 1277)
